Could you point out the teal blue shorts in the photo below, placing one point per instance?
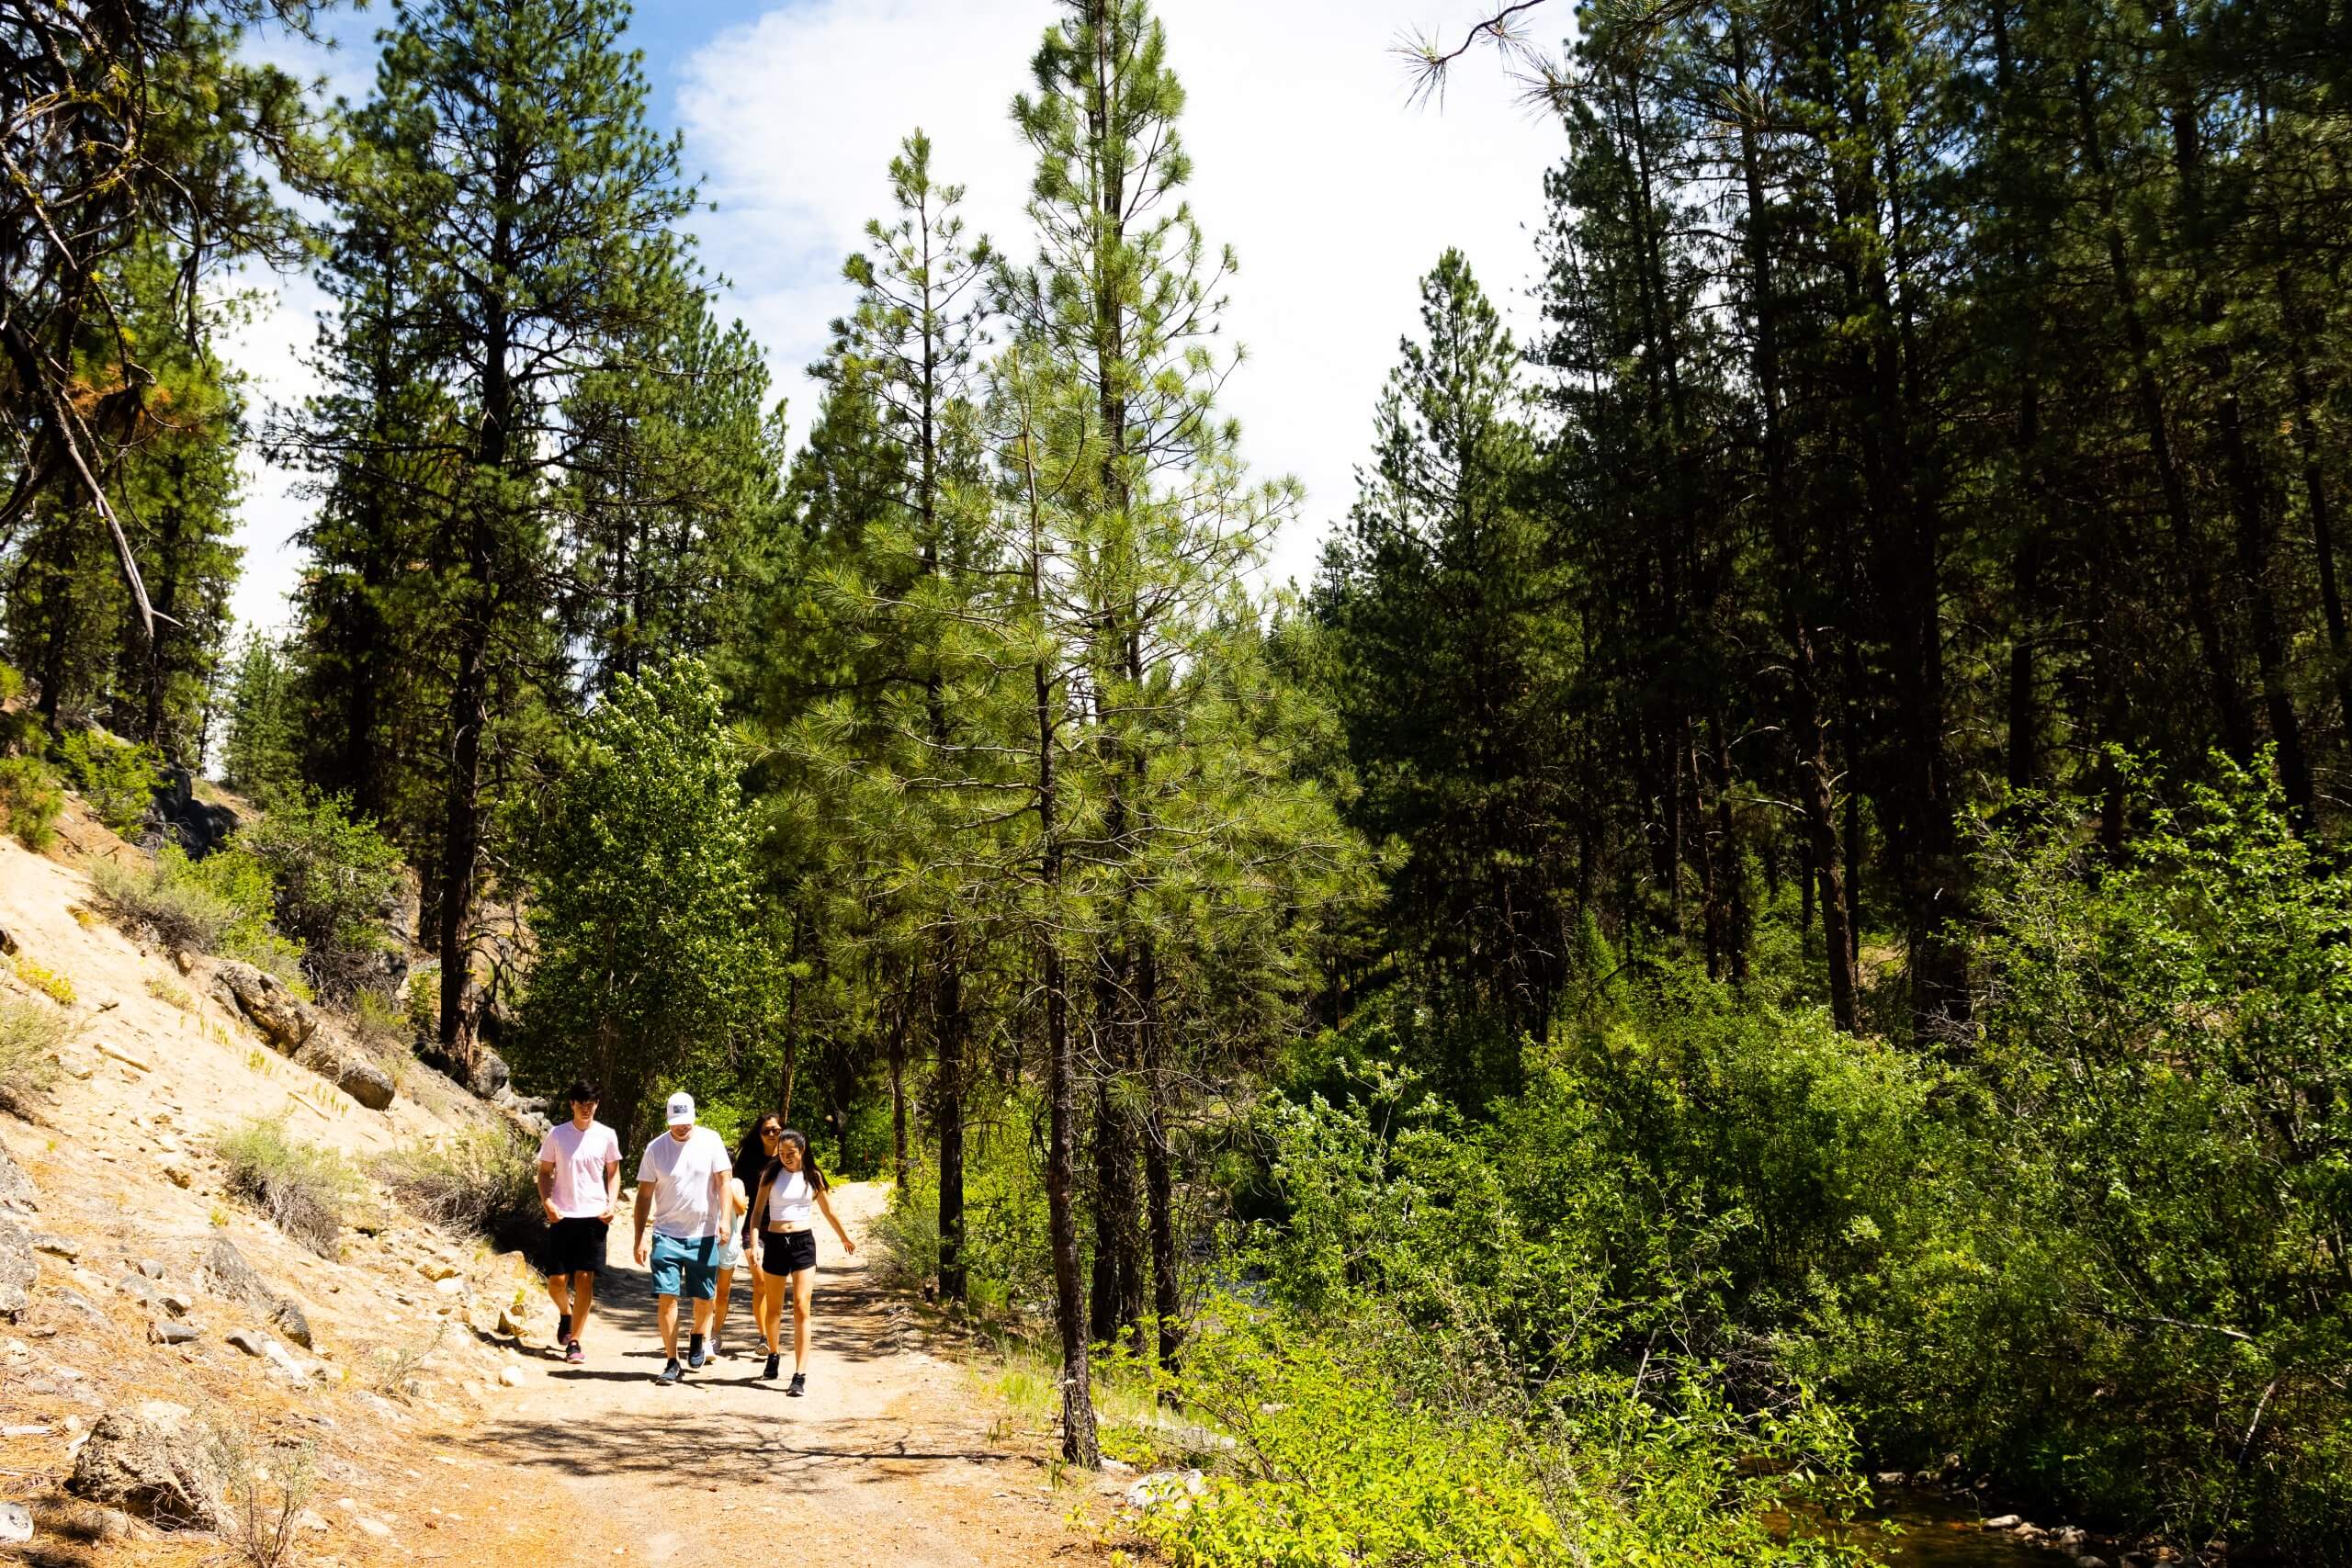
(687, 1268)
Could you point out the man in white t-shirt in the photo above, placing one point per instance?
(682, 1188)
(580, 1186)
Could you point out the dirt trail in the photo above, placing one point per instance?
(891, 1461)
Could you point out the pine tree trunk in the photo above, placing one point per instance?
(1080, 1445)
(954, 1280)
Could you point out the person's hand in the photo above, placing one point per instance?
(642, 1252)
(849, 1246)
(610, 1209)
(548, 1205)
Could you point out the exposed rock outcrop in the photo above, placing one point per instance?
(18, 1269)
(285, 1019)
(162, 1474)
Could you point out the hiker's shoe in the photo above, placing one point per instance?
(574, 1354)
(669, 1372)
(775, 1365)
(697, 1357)
(800, 1385)
(562, 1327)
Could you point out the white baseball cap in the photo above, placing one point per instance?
(681, 1110)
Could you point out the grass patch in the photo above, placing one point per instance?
(380, 1023)
(304, 1189)
(30, 1034)
(396, 1371)
(483, 1182)
(57, 987)
(171, 993)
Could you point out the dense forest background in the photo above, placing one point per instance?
(1775, 910)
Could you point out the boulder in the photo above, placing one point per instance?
(222, 1271)
(285, 1019)
(287, 1319)
(18, 1269)
(199, 828)
(166, 1332)
(366, 1083)
(15, 1524)
(250, 1340)
(491, 1073)
(163, 1474)
(16, 1190)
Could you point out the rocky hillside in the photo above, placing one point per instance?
(178, 1372)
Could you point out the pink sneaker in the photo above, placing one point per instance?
(574, 1354)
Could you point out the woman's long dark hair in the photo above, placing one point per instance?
(751, 1161)
(799, 1140)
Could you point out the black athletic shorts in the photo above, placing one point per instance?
(787, 1252)
(574, 1246)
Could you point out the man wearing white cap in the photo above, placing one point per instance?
(682, 1188)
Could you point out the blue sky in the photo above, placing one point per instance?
(1337, 191)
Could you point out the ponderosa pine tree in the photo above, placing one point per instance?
(1126, 294)
(523, 183)
(1446, 605)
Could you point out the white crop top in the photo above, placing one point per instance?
(790, 1199)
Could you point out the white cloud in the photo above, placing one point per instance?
(268, 345)
(1308, 160)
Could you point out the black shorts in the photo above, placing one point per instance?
(574, 1246)
(787, 1252)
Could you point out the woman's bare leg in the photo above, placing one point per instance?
(767, 1307)
(804, 1281)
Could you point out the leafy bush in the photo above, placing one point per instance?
(304, 1189)
(334, 877)
(30, 799)
(2122, 1276)
(221, 904)
(29, 1032)
(116, 777)
(484, 1182)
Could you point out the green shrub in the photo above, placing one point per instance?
(1333, 1462)
(335, 876)
(219, 905)
(304, 1189)
(116, 777)
(483, 1182)
(30, 799)
(30, 1033)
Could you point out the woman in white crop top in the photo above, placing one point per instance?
(792, 1192)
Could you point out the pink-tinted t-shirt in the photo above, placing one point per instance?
(581, 1160)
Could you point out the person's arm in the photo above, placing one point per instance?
(718, 1198)
(547, 1190)
(826, 1203)
(751, 1221)
(644, 1209)
(612, 1186)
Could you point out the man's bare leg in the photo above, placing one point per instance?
(667, 1313)
(583, 1302)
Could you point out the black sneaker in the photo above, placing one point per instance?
(669, 1372)
(697, 1357)
(775, 1365)
(563, 1328)
(800, 1385)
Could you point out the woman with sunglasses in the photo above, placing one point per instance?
(792, 1191)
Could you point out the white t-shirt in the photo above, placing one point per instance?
(791, 1201)
(581, 1160)
(682, 1209)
